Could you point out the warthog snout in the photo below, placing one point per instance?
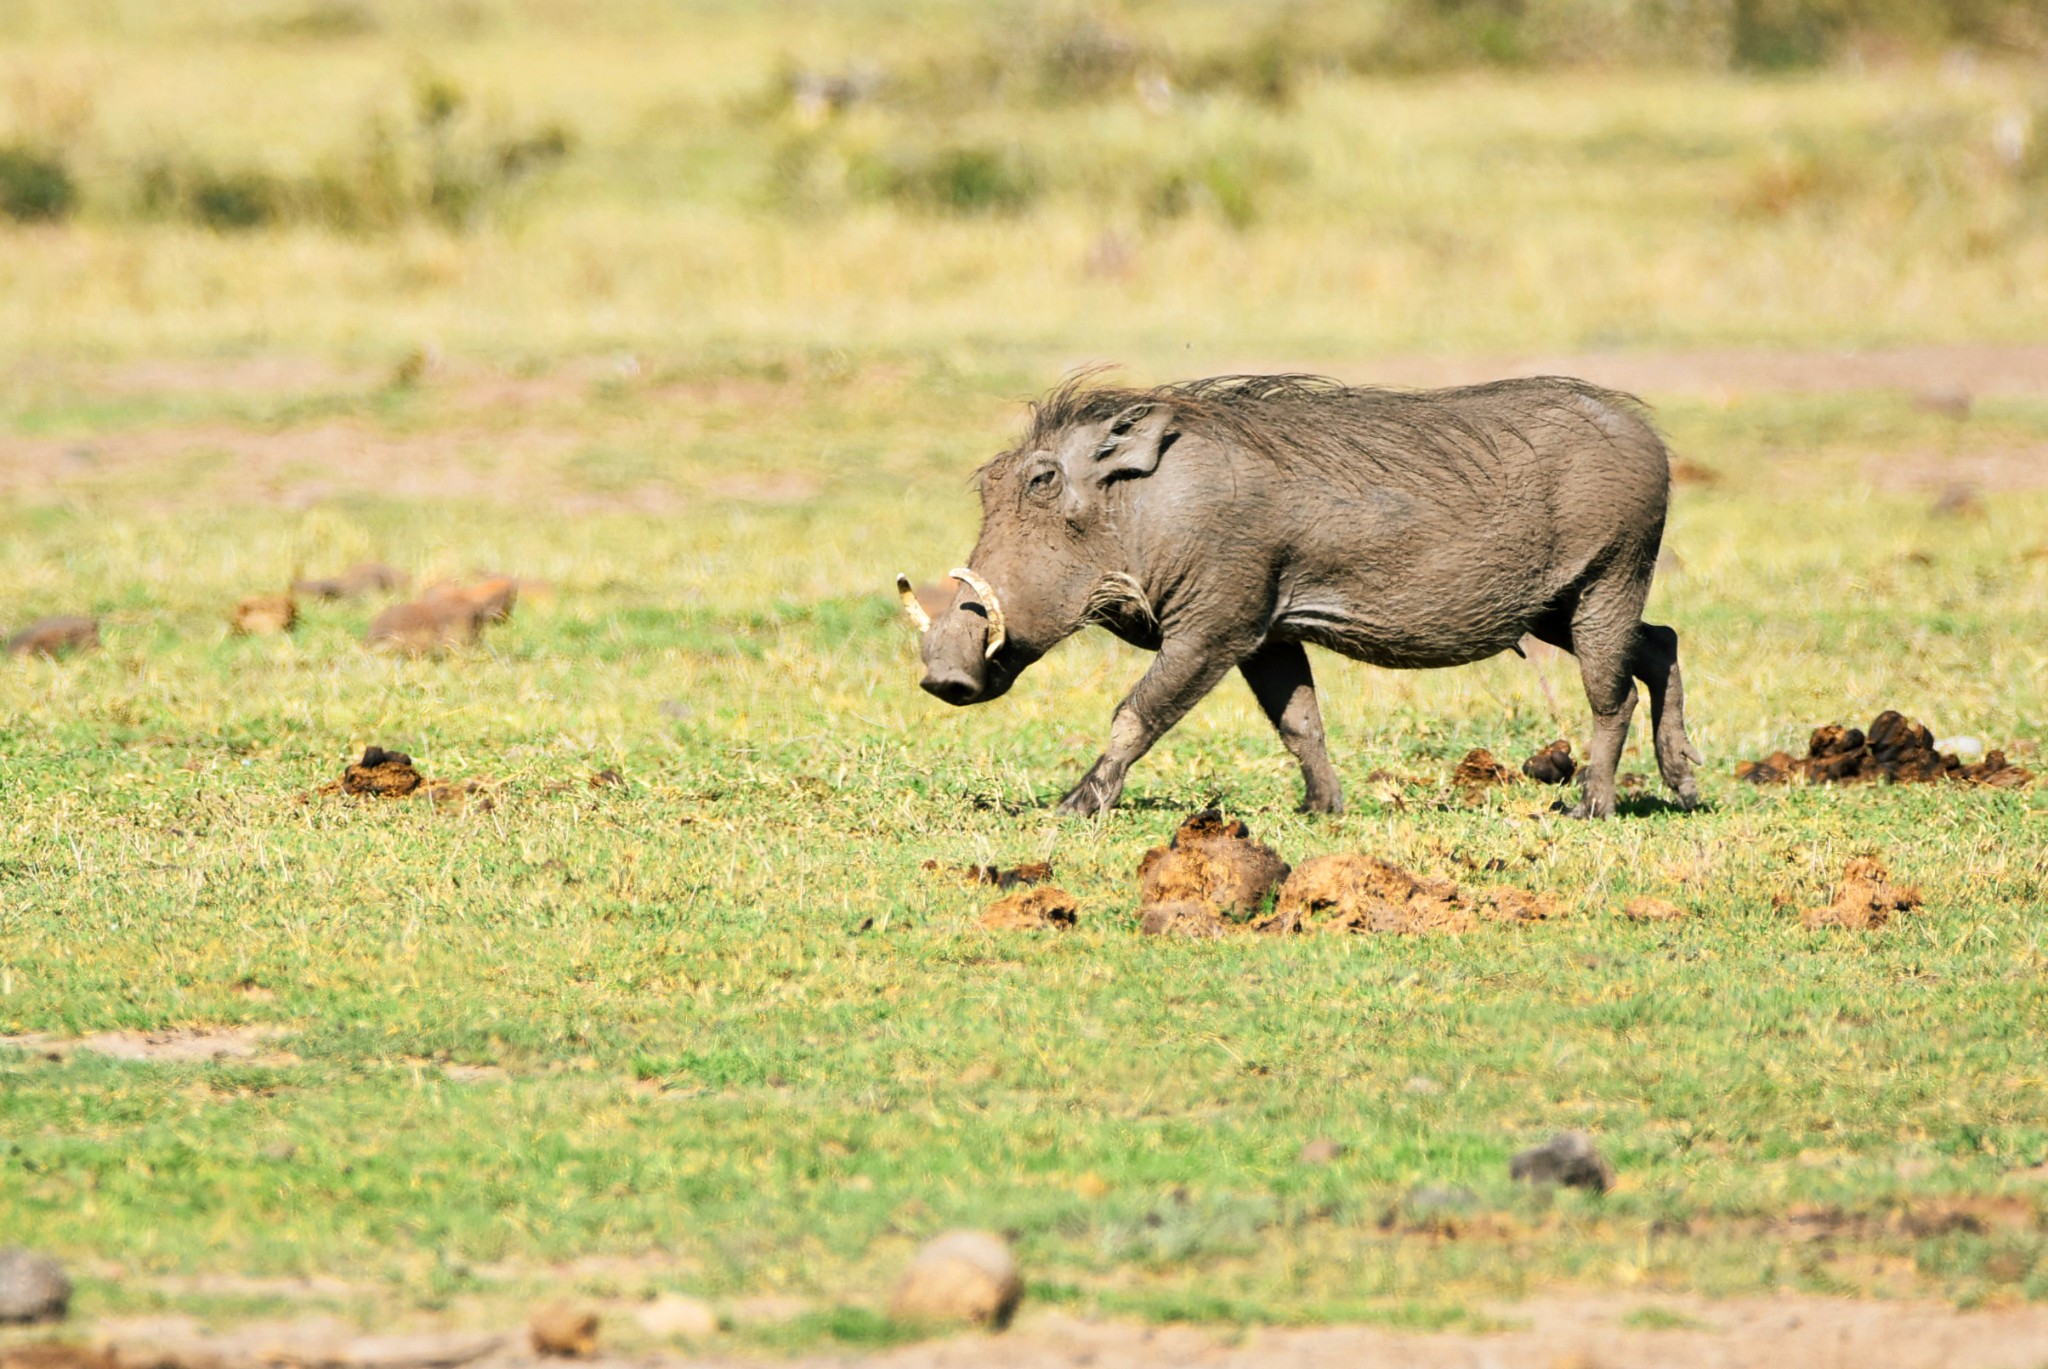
(960, 640)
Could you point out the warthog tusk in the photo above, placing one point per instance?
(910, 604)
(998, 632)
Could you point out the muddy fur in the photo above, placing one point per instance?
(1228, 523)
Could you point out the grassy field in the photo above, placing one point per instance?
(715, 1030)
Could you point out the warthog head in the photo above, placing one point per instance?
(1051, 557)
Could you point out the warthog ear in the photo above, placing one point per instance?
(1133, 442)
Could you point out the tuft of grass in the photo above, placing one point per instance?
(35, 185)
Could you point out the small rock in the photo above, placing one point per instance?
(265, 615)
(1568, 1158)
(562, 1329)
(54, 637)
(674, 1317)
(33, 1288)
(1320, 1152)
(1032, 910)
(962, 1276)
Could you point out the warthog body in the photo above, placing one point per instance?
(1227, 522)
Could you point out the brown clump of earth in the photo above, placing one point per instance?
(364, 577)
(1360, 893)
(381, 774)
(564, 1330)
(1865, 900)
(445, 616)
(1652, 910)
(1552, 765)
(1479, 770)
(1191, 918)
(264, 615)
(1002, 877)
(1895, 748)
(1211, 859)
(1033, 910)
(54, 637)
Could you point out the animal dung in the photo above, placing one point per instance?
(489, 600)
(1191, 918)
(364, 577)
(1865, 900)
(264, 615)
(445, 616)
(1032, 910)
(563, 1329)
(1479, 770)
(33, 1288)
(1211, 859)
(1361, 893)
(1010, 877)
(381, 774)
(1552, 765)
(962, 1276)
(1895, 748)
(1652, 910)
(54, 637)
(1569, 1159)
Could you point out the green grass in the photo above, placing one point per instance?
(747, 1044)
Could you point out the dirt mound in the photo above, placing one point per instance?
(423, 627)
(1032, 910)
(381, 774)
(54, 637)
(1479, 770)
(1186, 918)
(1360, 893)
(1010, 877)
(364, 577)
(1865, 900)
(1211, 859)
(562, 1329)
(1896, 749)
(1552, 765)
(264, 615)
(962, 1276)
(489, 600)
(1652, 910)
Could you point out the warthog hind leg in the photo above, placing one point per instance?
(1279, 675)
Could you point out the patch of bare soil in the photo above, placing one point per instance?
(1360, 893)
(1479, 770)
(264, 615)
(1032, 910)
(1552, 765)
(1211, 859)
(1896, 749)
(1865, 900)
(1592, 1331)
(54, 637)
(1002, 877)
(176, 1046)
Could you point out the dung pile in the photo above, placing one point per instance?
(1033, 910)
(1865, 899)
(1552, 765)
(444, 616)
(1895, 749)
(382, 774)
(1360, 893)
(264, 615)
(1479, 770)
(1213, 863)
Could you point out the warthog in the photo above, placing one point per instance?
(1226, 522)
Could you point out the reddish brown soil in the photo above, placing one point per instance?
(1211, 859)
(1032, 910)
(1552, 765)
(264, 615)
(1865, 900)
(54, 637)
(1896, 749)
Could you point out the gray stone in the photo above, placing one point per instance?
(32, 1287)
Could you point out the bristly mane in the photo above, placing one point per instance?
(1314, 420)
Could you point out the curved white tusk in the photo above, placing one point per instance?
(998, 631)
(910, 604)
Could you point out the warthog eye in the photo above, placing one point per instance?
(1043, 482)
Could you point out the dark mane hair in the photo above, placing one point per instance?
(1313, 420)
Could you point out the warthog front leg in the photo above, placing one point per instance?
(1279, 675)
(1180, 675)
